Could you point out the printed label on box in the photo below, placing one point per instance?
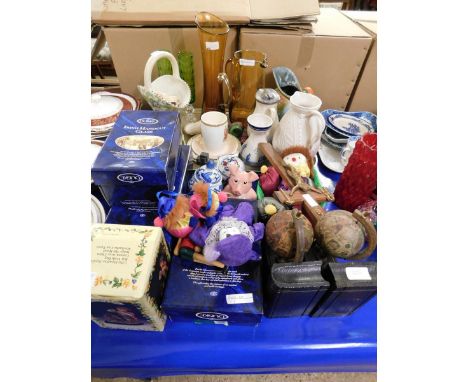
(245, 62)
(358, 273)
(212, 45)
(93, 278)
(240, 298)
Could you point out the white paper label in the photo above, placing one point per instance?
(309, 200)
(241, 298)
(358, 273)
(93, 278)
(225, 323)
(245, 62)
(212, 45)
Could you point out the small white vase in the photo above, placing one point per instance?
(267, 103)
(302, 125)
(259, 126)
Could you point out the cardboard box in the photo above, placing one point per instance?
(329, 60)
(364, 97)
(181, 12)
(131, 48)
(138, 158)
(128, 271)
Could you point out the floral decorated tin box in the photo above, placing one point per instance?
(129, 265)
(138, 158)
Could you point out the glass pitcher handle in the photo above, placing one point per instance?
(222, 77)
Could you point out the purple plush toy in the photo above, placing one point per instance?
(230, 240)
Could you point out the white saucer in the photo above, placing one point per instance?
(330, 157)
(231, 146)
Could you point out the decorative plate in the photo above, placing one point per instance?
(98, 214)
(349, 125)
(334, 136)
(330, 157)
(336, 146)
(339, 122)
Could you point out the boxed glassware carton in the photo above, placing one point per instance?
(329, 59)
(138, 158)
(364, 97)
(129, 265)
(206, 294)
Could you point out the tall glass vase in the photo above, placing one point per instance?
(212, 32)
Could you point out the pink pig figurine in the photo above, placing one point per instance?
(240, 184)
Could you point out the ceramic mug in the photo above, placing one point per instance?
(348, 149)
(214, 126)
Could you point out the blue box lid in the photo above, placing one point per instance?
(141, 149)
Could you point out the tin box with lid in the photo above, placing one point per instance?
(138, 158)
(129, 265)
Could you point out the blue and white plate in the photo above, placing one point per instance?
(350, 123)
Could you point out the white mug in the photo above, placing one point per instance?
(348, 149)
(214, 128)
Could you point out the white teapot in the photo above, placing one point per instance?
(302, 125)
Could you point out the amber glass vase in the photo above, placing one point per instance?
(212, 32)
(359, 179)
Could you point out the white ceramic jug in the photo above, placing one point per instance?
(267, 103)
(302, 125)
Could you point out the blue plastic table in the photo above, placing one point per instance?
(288, 345)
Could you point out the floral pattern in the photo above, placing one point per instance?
(117, 282)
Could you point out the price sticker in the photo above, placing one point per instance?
(245, 62)
(358, 273)
(241, 298)
(212, 45)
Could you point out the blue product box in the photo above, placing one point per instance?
(138, 158)
(204, 294)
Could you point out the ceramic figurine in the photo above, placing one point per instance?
(226, 160)
(302, 124)
(230, 240)
(267, 103)
(208, 174)
(258, 126)
(240, 184)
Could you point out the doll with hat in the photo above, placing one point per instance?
(298, 162)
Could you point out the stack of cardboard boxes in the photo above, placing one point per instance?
(331, 59)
